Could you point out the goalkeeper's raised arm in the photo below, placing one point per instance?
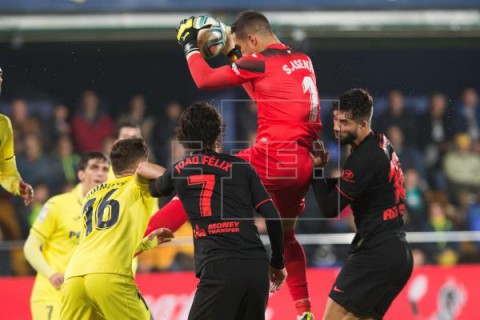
(242, 70)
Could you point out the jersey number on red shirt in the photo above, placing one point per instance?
(208, 183)
(310, 87)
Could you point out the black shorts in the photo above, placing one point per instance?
(232, 289)
(372, 277)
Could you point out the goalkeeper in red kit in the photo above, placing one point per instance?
(282, 83)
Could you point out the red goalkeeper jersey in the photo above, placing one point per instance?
(282, 82)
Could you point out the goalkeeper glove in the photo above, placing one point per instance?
(187, 33)
(187, 36)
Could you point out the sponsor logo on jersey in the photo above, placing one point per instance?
(199, 232)
(224, 227)
(73, 234)
(335, 288)
(348, 175)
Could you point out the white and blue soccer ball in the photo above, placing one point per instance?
(212, 36)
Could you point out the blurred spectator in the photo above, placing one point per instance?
(19, 114)
(470, 253)
(107, 145)
(439, 222)
(415, 201)
(473, 214)
(467, 118)
(435, 135)
(435, 129)
(447, 257)
(127, 130)
(164, 131)
(42, 193)
(397, 115)
(37, 167)
(11, 262)
(462, 165)
(58, 123)
(26, 215)
(419, 257)
(409, 156)
(90, 125)
(177, 151)
(137, 115)
(463, 199)
(22, 124)
(68, 158)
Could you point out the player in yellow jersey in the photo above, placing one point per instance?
(56, 233)
(99, 280)
(129, 130)
(10, 179)
(125, 130)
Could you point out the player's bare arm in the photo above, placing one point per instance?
(149, 171)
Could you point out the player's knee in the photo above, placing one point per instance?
(334, 311)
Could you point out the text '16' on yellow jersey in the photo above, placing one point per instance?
(59, 225)
(115, 216)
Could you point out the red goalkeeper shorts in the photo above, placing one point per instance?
(286, 174)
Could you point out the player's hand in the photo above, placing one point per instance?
(230, 50)
(320, 155)
(187, 35)
(57, 280)
(26, 192)
(163, 235)
(277, 278)
(229, 45)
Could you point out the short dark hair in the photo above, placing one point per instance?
(125, 124)
(82, 165)
(127, 153)
(250, 21)
(199, 127)
(358, 102)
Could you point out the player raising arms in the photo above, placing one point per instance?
(55, 235)
(220, 193)
(99, 281)
(282, 82)
(380, 261)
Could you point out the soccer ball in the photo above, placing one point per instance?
(212, 38)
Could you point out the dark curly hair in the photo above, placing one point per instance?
(358, 102)
(199, 127)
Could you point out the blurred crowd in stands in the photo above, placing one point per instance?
(437, 139)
